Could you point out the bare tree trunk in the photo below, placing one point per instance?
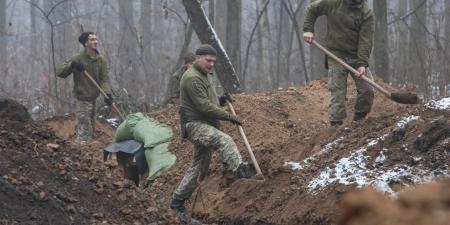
(418, 68)
(220, 21)
(211, 12)
(296, 28)
(206, 34)
(146, 26)
(3, 41)
(250, 41)
(127, 51)
(381, 40)
(260, 53)
(233, 37)
(445, 75)
(318, 70)
(281, 23)
(184, 49)
(400, 70)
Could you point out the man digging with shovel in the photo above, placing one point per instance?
(350, 37)
(200, 113)
(88, 60)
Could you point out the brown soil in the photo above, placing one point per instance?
(425, 205)
(286, 125)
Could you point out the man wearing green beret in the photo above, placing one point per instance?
(200, 113)
(173, 90)
(84, 90)
(351, 26)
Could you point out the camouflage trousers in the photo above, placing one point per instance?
(337, 84)
(206, 139)
(85, 113)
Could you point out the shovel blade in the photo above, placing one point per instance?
(405, 98)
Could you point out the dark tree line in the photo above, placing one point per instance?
(144, 42)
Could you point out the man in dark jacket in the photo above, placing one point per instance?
(173, 90)
(84, 90)
(350, 37)
(201, 112)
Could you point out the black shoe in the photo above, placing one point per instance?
(147, 183)
(359, 116)
(178, 205)
(243, 171)
(336, 123)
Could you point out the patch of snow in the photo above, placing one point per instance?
(375, 141)
(441, 104)
(347, 171)
(353, 170)
(327, 148)
(405, 121)
(294, 165)
(113, 121)
(381, 157)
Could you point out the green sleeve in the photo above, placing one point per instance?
(198, 92)
(104, 77)
(365, 41)
(316, 9)
(65, 69)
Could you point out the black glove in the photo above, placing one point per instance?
(109, 100)
(224, 98)
(77, 65)
(234, 119)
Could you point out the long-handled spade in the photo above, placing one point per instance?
(122, 117)
(402, 98)
(259, 175)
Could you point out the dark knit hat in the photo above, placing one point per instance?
(189, 58)
(206, 49)
(84, 37)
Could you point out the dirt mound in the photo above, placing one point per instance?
(425, 205)
(46, 180)
(10, 109)
(308, 166)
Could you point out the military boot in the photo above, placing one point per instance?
(359, 116)
(178, 205)
(336, 123)
(244, 171)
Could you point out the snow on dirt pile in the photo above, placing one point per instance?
(308, 166)
(354, 169)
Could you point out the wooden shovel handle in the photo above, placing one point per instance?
(104, 94)
(247, 145)
(351, 69)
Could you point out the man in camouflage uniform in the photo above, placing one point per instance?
(173, 90)
(200, 114)
(84, 90)
(350, 37)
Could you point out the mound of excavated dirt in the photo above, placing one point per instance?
(425, 205)
(10, 109)
(308, 166)
(46, 180)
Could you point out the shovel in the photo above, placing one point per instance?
(259, 175)
(402, 98)
(104, 94)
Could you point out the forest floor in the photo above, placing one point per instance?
(314, 174)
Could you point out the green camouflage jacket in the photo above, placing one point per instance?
(83, 88)
(199, 98)
(350, 30)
